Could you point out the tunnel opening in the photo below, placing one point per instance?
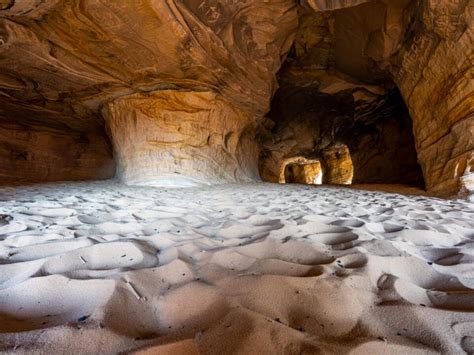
(301, 170)
(310, 174)
(327, 108)
(359, 143)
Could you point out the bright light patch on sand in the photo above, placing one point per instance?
(100, 267)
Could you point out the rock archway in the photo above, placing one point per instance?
(334, 167)
(301, 170)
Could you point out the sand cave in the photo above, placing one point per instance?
(236, 177)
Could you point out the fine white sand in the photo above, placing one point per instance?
(248, 269)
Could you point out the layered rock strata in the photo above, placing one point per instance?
(435, 73)
(39, 153)
(68, 59)
(181, 138)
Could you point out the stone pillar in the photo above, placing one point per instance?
(337, 163)
(181, 138)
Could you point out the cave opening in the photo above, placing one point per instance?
(301, 170)
(310, 174)
(351, 114)
(357, 143)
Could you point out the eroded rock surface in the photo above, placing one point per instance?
(67, 64)
(435, 74)
(194, 137)
(344, 65)
(324, 102)
(69, 59)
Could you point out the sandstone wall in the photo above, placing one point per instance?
(426, 49)
(435, 75)
(337, 165)
(181, 138)
(33, 154)
(68, 59)
(62, 62)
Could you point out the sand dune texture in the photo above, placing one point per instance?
(267, 269)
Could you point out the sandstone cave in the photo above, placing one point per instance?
(249, 177)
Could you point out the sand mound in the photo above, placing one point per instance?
(99, 267)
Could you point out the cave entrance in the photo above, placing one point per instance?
(301, 170)
(334, 167)
(331, 92)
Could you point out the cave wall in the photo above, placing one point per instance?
(195, 137)
(67, 64)
(73, 60)
(322, 101)
(434, 71)
(387, 154)
(32, 154)
(384, 151)
(422, 47)
(426, 47)
(44, 144)
(338, 166)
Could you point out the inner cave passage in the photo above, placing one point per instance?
(351, 141)
(334, 167)
(303, 171)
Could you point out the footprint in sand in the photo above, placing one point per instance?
(43, 250)
(104, 256)
(333, 239)
(238, 230)
(117, 228)
(348, 223)
(426, 238)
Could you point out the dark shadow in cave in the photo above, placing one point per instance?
(377, 134)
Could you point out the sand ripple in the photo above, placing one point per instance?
(235, 268)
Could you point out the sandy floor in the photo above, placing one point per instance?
(255, 269)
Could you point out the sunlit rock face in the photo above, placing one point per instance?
(338, 165)
(302, 171)
(181, 138)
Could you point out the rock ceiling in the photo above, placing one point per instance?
(189, 83)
